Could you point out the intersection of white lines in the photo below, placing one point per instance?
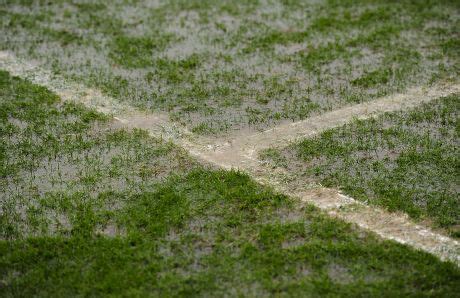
(240, 151)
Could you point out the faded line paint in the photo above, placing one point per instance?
(70, 91)
(291, 132)
(241, 152)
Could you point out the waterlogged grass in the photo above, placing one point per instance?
(58, 159)
(90, 209)
(216, 66)
(404, 161)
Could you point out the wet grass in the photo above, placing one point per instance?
(216, 66)
(404, 161)
(61, 153)
(91, 209)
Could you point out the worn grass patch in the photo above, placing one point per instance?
(403, 161)
(216, 66)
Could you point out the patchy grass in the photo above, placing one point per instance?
(90, 209)
(216, 66)
(404, 161)
(57, 158)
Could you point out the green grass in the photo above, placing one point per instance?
(216, 66)
(403, 161)
(89, 209)
(61, 155)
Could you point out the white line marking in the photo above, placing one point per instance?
(290, 132)
(242, 151)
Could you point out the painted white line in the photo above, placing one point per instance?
(286, 133)
(156, 123)
(242, 152)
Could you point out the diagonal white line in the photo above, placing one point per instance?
(284, 134)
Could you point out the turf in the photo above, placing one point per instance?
(404, 161)
(217, 66)
(61, 155)
(90, 209)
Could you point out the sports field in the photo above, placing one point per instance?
(229, 148)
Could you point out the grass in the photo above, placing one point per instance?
(91, 209)
(218, 66)
(56, 152)
(403, 161)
